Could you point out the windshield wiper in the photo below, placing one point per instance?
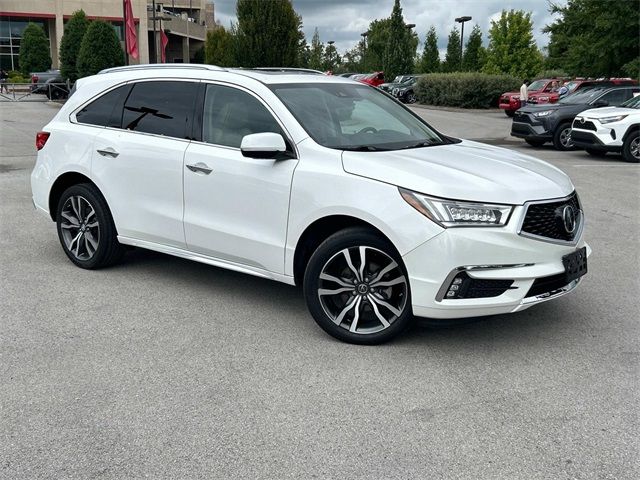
(423, 143)
(364, 148)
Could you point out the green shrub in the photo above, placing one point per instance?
(100, 49)
(34, 50)
(465, 90)
(16, 77)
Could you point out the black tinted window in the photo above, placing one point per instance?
(163, 108)
(616, 97)
(106, 110)
(230, 114)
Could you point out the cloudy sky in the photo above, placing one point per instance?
(344, 20)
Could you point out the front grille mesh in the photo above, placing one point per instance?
(584, 126)
(546, 219)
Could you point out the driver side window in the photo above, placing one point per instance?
(230, 114)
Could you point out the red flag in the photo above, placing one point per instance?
(163, 43)
(130, 30)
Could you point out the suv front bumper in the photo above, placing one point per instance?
(525, 125)
(487, 254)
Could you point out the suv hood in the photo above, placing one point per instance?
(608, 112)
(463, 171)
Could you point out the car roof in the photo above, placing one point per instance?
(212, 72)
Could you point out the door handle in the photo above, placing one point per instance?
(200, 168)
(108, 152)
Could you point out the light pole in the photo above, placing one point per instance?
(331, 42)
(461, 21)
(364, 36)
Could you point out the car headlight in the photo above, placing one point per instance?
(543, 99)
(544, 113)
(617, 118)
(455, 213)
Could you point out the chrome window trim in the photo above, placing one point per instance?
(580, 219)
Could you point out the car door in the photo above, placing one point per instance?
(236, 208)
(139, 166)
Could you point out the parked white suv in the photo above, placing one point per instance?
(610, 129)
(311, 180)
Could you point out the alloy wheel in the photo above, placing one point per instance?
(634, 148)
(80, 227)
(362, 289)
(565, 138)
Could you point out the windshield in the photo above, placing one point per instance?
(632, 102)
(571, 85)
(354, 117)
(537, 85)
(582, 96)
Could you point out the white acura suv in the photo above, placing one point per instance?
(310, 180)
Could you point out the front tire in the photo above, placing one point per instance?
(562, 138)
(357, 289)
(631, 147)
(85, 228)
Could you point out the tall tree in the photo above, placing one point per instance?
(401, 46)
(452, 59)
(430, 59)
(512, 49)
(70, 44)
(376, 44)
(34, 50)
(100, 49)
(268, 33)
(303, 47)
(473, 53)
(332, 59)
(316, 53)
(594, 37)
(218, 47)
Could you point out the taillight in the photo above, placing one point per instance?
(34, 78)
(41, 139)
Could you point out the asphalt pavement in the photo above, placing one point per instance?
(164, 368)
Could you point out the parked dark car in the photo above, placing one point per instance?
(399, 80)
(539, 124)
(38, 80)
(406, 91)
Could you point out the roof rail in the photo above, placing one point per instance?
(153, 66)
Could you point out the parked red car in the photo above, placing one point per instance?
(579, 84)
(540, 91)
(510, 101)
(375, 78)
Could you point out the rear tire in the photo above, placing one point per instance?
(631, 147)
(562, 138)
(534, 143)
(340, 288)
(85, 228)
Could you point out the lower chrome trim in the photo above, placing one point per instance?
(543, 297)
(449, 278)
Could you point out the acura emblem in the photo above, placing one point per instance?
(569, 219)
(581, 119)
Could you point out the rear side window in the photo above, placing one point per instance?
(230, 114)
(616, 97)
(162, 108)
(105, 111)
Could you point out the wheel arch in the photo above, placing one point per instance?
(631, 129)
(321, 229)
(63, 182)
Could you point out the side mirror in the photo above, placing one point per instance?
(262, 145)
(601, 103)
